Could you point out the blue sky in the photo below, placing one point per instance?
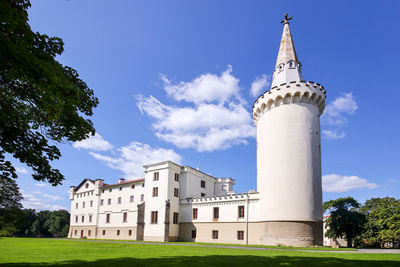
(177, 80)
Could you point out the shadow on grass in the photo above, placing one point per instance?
(215, 260)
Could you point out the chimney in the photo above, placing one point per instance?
(121, 180)
(99, 182)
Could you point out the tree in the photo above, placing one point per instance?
(42, 102)
(383, 221)
(56, 222)
(344, 221)
(10, 197)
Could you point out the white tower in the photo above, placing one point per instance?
(288, 152)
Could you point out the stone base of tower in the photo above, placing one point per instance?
(292, 233)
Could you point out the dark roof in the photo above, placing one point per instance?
(85, 180)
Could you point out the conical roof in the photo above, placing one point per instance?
(286, 49)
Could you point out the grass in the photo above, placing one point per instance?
(39, 252)
(238, 245)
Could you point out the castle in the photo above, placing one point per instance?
(179, 203)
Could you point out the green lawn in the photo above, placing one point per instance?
(39, 252)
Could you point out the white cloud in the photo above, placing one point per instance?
(335, 114)
(41, 185)
(332, 134)
(338, 183)
(214, 116)
(392, 180)
(95, 142)
(131, 158)
(32, 201)
(21, 170)
(260, 84)
(204, 89)
(47, 196)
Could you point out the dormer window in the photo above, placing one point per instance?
(280, 67)
(292, 64)
(87, 185)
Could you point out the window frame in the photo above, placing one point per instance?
(155, 192)
(175, 218)
(240, 235)
(194, 213)
(214, 234)
(241, 211)
(154, 217)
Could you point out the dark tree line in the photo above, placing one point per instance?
(374, 224)
(30, 223)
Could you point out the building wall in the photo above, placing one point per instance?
(289, 160)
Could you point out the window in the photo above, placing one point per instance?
(108, 218)
(175, 219)
(83, 205)
(87, 185)
(117, 232)
(215, 234)
(131, 199)
(90, 218)
(177, 177)
(110, 190)
(193, 233)
(155, 191)
(103, 190)
(76, 219)
(76, 205)
(75, 232)
(143, 185)
(130, 232)
(104, 232)
(89, 232)
(202, 194)
(156, 176)
(133, 186)
(91, 203)
(83, 219)
(194, 213)
(102, 202)
(120, 188)
(154, 217)
(216, 214)
(119, 200)
(203, 184)
(241, 211)
(125, 217)
(176, 192)
(142, 197)
(240, 235)
(109, 201)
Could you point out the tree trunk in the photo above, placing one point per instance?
(349, 243)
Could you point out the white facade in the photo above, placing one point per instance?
(176, 202)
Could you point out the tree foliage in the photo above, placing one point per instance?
(383, 222)
(29, 223)
(10, 197)
(345, 220)
(42, 102)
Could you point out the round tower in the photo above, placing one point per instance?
(289, 153)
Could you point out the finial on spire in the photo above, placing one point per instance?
(286, 19)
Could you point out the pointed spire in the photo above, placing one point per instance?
(288, 67)
(286, 49)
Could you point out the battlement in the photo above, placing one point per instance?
(221, 199)
(286, 93)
